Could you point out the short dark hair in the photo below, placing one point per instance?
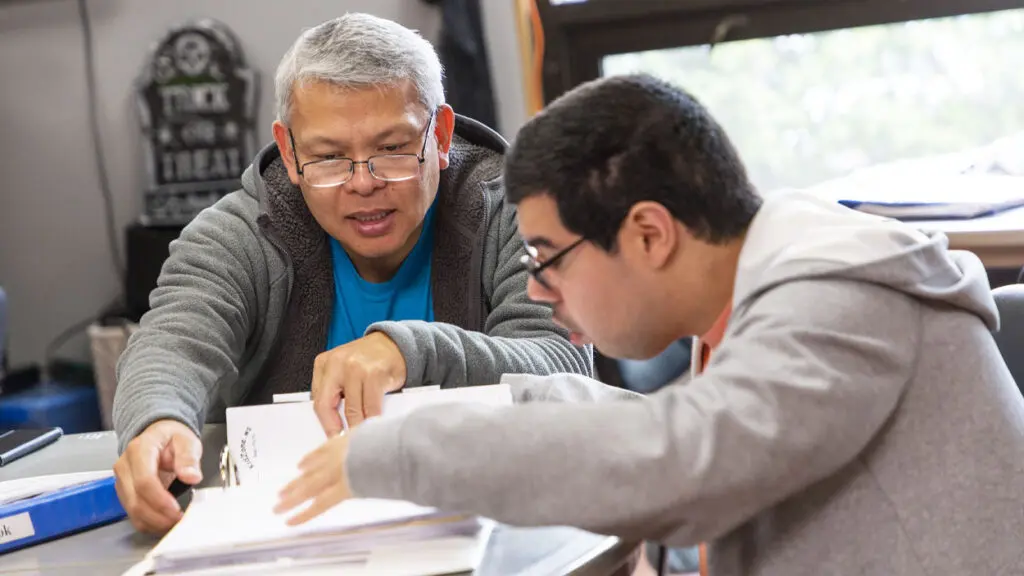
(610, 143)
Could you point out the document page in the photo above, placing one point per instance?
(268, 441)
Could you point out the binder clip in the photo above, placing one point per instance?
(228, 470)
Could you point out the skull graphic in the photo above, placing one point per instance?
(192, 54)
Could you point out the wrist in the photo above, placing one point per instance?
(409, 363)
(397, 369)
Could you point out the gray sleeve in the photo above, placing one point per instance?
(807, 375)
(519, 334)
(191, 340)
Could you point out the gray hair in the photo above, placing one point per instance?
(359, 51)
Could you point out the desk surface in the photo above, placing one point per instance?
(1004, 228)
(112, 549)
(998, 240)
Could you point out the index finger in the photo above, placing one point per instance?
(373, 400)
(354, 401)
(327, 391)
(148, 488)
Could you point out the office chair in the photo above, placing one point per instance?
(1010, 337)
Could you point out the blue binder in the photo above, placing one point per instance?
(59, 513)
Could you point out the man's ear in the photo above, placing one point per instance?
(284, 144)
(444, 130)
(650, 232)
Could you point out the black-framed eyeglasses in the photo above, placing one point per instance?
(536, 268)
(332, 172)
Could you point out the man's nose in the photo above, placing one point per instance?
(362, 181)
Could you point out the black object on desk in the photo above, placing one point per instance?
(178, 488)
(19, 442)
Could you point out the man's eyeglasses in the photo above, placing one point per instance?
(536, 268)
(334, 172)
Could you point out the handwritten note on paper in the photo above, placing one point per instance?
(268, 441)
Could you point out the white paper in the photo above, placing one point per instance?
(293, 397)
(21, 488)
(268, 441)
(377, 536)
(243, 514)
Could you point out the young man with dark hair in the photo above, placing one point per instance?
(856, 416)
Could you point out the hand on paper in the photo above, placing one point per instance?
(322, 479)
(164, 450)
(362, 372)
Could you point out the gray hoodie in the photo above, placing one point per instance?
(857, 418)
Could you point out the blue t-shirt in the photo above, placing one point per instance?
(407, 296)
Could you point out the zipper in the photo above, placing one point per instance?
(476, 299)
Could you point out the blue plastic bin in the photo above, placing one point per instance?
(74, 408)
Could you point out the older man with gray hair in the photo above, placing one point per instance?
(369, 249)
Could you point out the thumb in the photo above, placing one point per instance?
(187, 451)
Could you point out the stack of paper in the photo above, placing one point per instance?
(267, 441)
(234, 530)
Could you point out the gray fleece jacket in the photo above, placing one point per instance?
(243, 303)
(857, 418)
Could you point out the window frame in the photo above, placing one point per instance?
(578, 36)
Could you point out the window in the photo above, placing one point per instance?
(824, 100)
(805, 108)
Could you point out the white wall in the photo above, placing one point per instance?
(499, 18)
(54, 262)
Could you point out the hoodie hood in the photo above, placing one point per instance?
(796, 235)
